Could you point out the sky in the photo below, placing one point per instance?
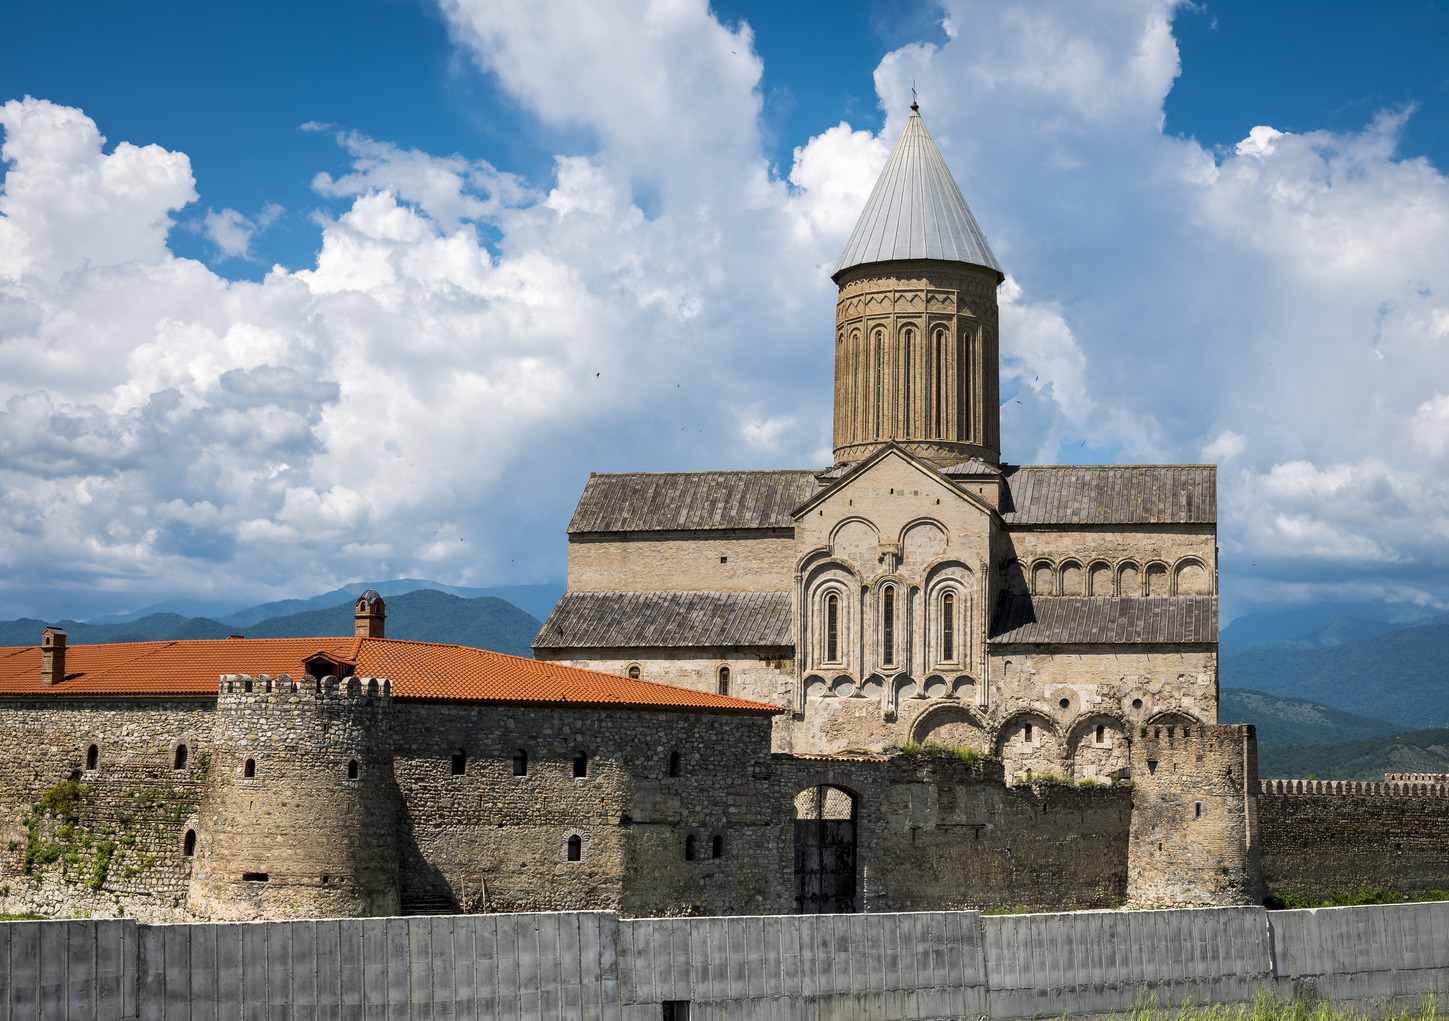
(296, 295)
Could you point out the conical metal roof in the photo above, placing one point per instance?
(916, 211)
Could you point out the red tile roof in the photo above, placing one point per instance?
(420, 671)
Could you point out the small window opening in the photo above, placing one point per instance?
(576, 848)
(352, 769)
(1101, 733)
(634, 672)
(1065, 703)
(93, 757)
(255, 877)
(689, 853)
(888, 627)
(676, 765)
(581, 764)
(250, 769)
(724, 680)
(520, 763)
(188, 846)
(1197, 809)
(326, 879)
(460, 762)
(1137, 703)
(832, 629)
(724, 560)
(180, 762)
(247, 685)
(1026, 734)
(948, 627)
(716, 849)
(675, 1010)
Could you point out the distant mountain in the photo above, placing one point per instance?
(425, 615)
(1296, 721)
(1320, 624)
(535, 599)
(1401, 676)
(1418, 751)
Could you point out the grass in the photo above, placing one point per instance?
(937, 749)
(1265, 1008)
(1345, 899)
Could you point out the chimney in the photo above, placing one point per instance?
(52, 656)
(371, 615)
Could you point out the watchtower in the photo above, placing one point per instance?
(299, 808)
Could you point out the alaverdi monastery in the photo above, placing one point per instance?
(918, 589)
(763, 692)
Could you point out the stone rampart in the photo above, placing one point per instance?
(597, 967)
(1320, 837)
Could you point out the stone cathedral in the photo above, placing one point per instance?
(919, 588)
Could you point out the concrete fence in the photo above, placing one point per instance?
(593, 965)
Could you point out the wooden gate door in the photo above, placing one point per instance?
(824, 852)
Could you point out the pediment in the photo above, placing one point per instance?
(888, 473)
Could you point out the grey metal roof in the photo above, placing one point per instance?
(1111, 495)
(678, 501)
(916, 211)
(667, 620)
(1105, 620)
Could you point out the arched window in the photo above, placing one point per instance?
(188, 846)
(832, 628)
(676, 766)
(716, 849)
(249, 770)
(581, 764)
(520, 763)
(460, 762)
(948, 627)
(689, 853)
(724, 680)
(576, 848)
(888, 626)
(353, 769)
(634, 671)
(93, 757)
(180, 760)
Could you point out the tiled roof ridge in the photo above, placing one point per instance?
(1040, 467)
(715, 471)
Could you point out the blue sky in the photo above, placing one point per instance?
(516, 243)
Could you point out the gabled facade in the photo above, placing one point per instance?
(918, 589)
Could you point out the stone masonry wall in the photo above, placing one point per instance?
(1320, 837)
(761, 561)
(107, 840)
(490, 840)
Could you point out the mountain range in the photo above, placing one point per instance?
(424, 614)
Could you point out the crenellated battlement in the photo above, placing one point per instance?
(1372, 788)
(1416, 778)
(285, 684)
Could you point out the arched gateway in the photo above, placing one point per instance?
(824, 851)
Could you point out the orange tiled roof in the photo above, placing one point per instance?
(417, 670)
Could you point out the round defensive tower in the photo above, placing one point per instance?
(299, 811)
(916, 342)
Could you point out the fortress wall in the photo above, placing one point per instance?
(935, 834)
(490, 840)
(120, 843)
(1319, 837)
(712, 561)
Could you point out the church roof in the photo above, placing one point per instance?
(1040, 495)
(419, 671)
(667, 620)
(691, 501)
(916, 211)
(1105, 620)
(1101, 494)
